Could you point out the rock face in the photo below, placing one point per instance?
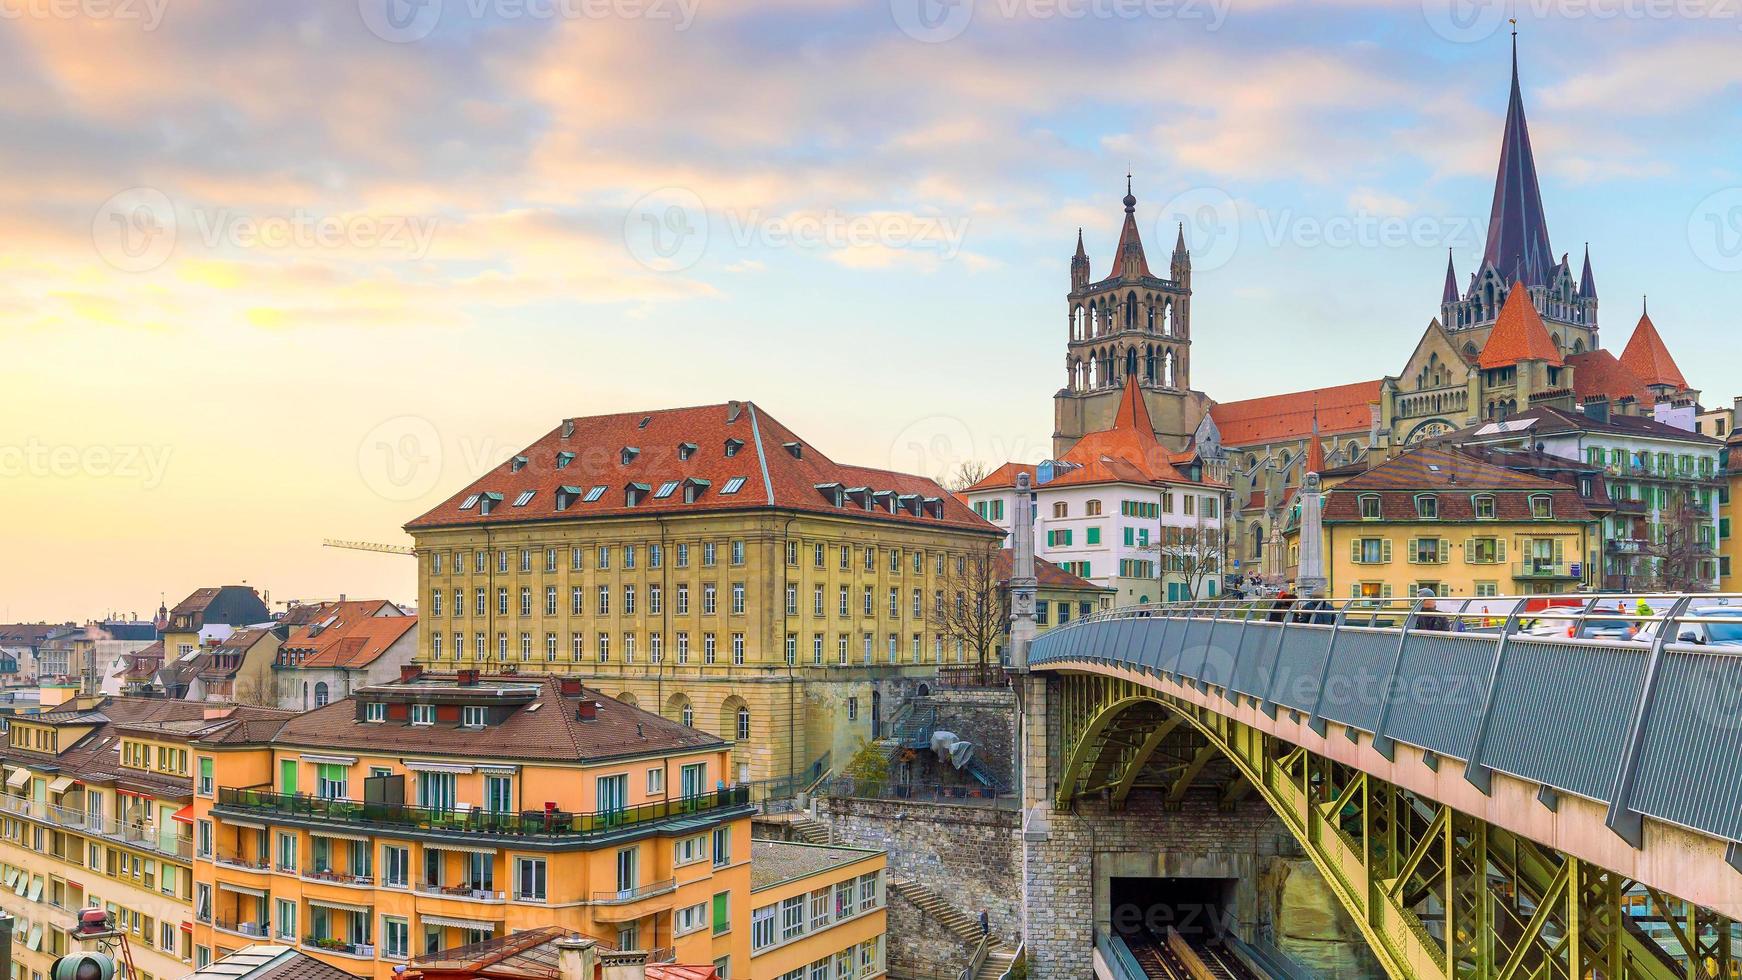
(1316, 932)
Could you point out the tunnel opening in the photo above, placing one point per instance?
(1199, 909)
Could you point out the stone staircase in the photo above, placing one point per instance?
(965, 926)
(810, 830)
(998, 960)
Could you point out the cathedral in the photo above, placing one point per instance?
(1519, 333)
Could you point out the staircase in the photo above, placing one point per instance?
(998, 961)
(965, 926)
(810, 830)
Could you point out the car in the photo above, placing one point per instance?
(1717, 634)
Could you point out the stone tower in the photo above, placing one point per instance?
(1131, 323)
(1518, 251)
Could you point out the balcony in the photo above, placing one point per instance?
(466, 893)
(242, 927)
(234, 859)
(327, 944)
(1625, 546)
(623, 896)
(552, 827)
(1543, 570)
(140, 835)
(332, 877)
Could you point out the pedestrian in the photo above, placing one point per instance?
(985, 923)
(1280, 605)
(1428, 617)
(1314, 609)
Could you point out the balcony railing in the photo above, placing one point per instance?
(1625, 546)
(138, 835)
(244, 927)
(327, 944)
(237, 860)
(338, 877)
(1544, 569)
(636, 893)
(462, 891)
(550, 825)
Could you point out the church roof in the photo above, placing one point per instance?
(1599, 373)
(1648, 358)
(1587, 282)
(1519, 335)
(1275, 418)
(1450, 293)
(1128, 452)
(1129, 238)
(1517, 231)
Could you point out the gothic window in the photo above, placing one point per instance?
(1578, 345)
(1130, 310)
(1149, 365)
(1149, 315)
(1130, 361)
(1167, 375)
(1077, 324)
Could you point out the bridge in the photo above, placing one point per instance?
(1497, 788)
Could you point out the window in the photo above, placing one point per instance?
(689, 850)
(1371, 551)
(793, 918)
(374, 711)
(1484, 506)
(331, 780)
(1427, 507)
(1427, 551)
(396, 934)
(1485, 551)
(1370, 507)
(737, 598)
(688, 920)
(722, 847)
(472, 716)
(205, 775)
(321, 694)
(423, 714)
(722, 915)
(395, 866)
(529, 879)
(762, 928)
(1542, 507)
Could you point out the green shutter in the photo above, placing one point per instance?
(287, 776)
(722, 919)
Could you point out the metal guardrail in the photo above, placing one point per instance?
(1630, 700)
(1118, 958)
(851, 787)
(623, 896)
(80, 821)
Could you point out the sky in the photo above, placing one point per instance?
(280, 272)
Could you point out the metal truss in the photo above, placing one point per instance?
(1438, 894)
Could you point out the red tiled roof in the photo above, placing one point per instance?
(1047, 574)
(1598, 372)
(1456, 476)
(1648, 358)
(1128, 236)
(351, 634)
(770, 467)
(1519, 335)
(1274, 418)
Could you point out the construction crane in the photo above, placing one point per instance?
(386, 549)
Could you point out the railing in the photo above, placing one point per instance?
(338, 877)
(635, 893)
(138, 835)
(1117, 956)
(851, 787)
(245, 927)
(238, 860)
(553, 825)
(1625, 546)
(466, 892)
(327, 944)
(973, 676)
(977, 959)
(773, 794)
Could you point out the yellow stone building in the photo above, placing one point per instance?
(1436, 518)
(444, 810)
(96, 813)
(706, 564)
(816, 911)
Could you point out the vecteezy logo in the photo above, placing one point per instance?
(1464, 21)
(1715, 230)
(400, 21)
(936, 445)
(134, 230)
(1211, 223)
(401, 458)
(932, 21)
(667, 230)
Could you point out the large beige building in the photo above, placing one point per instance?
(708, 564)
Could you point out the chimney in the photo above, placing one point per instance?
(587, 710)
(1597, 407)
(467, 677)
(409, 672)
(734, 408)
(568, 428)
(628, 964)
(577, 958)
(569, 687)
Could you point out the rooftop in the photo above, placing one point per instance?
(268, 961)
(777, 862)
(1276, 418)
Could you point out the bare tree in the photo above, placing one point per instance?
(967, 473)
(976, 611)
(1194, 553)
(1677, 560)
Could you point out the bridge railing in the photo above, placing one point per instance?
(1631, 700)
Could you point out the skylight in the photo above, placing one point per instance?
(665, 489)
(525, 497)
(593, 494)
(469, 502)
(733, 485)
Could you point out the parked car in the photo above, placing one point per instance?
(1717, 634)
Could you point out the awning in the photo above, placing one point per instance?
(18, 778)
(459, 848)
(185, 814)
(35, 941)
(35, 890)
(60, 784)
(230, 822)
(323, 832)
(335, 760)
(453, 923)
(242, 889)
(455, 768)
(341, 906)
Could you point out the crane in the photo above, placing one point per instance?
(386, 549)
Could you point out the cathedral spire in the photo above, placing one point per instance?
(1587, 284)
(1128, 259)
(1451, 291)
(1518, 244)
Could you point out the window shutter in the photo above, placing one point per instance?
(1445, 551)
(1385, 591)
(1385, 550)
(1469, 550)
(1355, 550)
(1557, 550)
(1411, 551)
(1499, 549)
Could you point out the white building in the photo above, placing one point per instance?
(1121, 510)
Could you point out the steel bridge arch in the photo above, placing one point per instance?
(1500, 907)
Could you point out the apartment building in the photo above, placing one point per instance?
(816, 912)
(441, 810)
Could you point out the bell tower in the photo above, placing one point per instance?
(1132, 323)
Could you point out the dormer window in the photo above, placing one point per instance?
(794, 449)
(470, 502)
(908, 502)
(933, 506)
(1484, 506)
(883, 500)
(594, 494)
(525, 498)
(733, 445)
(488, 502)
(635, 493)
(832, 492)
(1427, 507)
(1370, 510)
(629, 454)
(566, 497)
(423, 714)
(732, 486)
(517, 464)
(1542, 507)
(665, 490)
(374, 711)
(472, 716)
(686, 449)
(563, 459)
(860, 496)
(693, 488)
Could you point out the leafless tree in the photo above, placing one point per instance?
(1677, 560)
(1195, 553)
(967, 473)
(976, 611)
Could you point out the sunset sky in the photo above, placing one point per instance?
(280, 271)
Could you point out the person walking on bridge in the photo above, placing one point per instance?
(1428, 617)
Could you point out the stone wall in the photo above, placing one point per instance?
(986, 718)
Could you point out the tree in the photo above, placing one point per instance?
(1676, 559)
(1194, 553)
(967, 473)
(976, 612)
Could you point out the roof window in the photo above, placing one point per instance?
(563, 459)
(629, 454)
(635, 493)
(470, 502)
(686, 449)
(594, 494)
(517, 464)
(665, 490)
(733, 445)
(733, 485)
(525, 498)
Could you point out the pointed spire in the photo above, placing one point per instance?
(1517, 230)
(1519, 335)
(1080, 253)
(1451, 291)
(1315, 454)
(1130, 248)
(1648, 357)
(1179, 244)
(1133, 414)
(1587, 283)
